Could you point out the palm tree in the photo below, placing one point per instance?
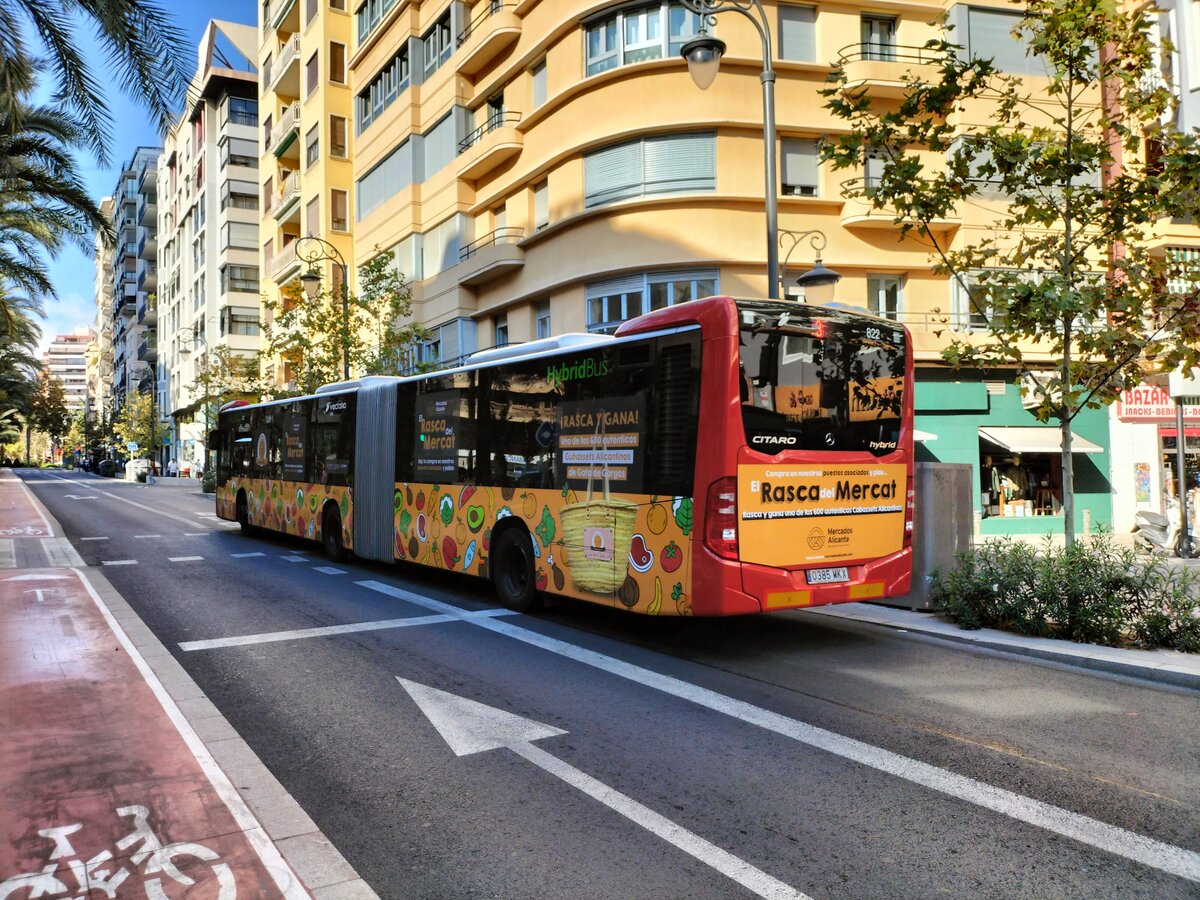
(143, 49)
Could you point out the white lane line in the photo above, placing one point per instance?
(112, 495)
(197, 533)
(35, 502)
(184, 558)
(272, 637)
(1139, 848)
(329, 570)
(94, 539)
(281, 873)
(245, 555)
(147, 535)
(118, 562)
(295, 558)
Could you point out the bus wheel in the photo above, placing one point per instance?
(331, 536)
(512, 570)
(243, 515)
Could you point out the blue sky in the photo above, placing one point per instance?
(72, 272)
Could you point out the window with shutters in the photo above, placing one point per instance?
(312, 216)
(239, 195)
(538, 72)
(239, 278)
(339, 219)
(337, 62)
(613, 301)
(990, 36)
(312, 145)
(798, 33)
(440, 146)
(337, 136)
(541, 205)
(801, 174)
(312, 75)
(239, 152)
(389, 177)
(666, 164)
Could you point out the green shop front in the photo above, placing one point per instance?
(979, 418)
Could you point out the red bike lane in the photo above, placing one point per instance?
(103, 785)
(19, 517)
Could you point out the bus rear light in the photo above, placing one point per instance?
(720, 518)
(909, 504)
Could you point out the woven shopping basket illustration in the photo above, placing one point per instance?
(599, 531)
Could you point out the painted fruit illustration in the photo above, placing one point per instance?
(397, 501)
(545, 530)
(475, 517)
(413, 547)
(446, 508)
(682, 604)
(405, 521)
(629, 592)
(449, 551)
(640, 556)
(506, 493)
(399, 547)
(421, 529)
(420, 500)
(656, 517)
(487, 539)
(672, 557)
(469, 557)
(312, 503)
(460, 532)
(345, 507)
(528, 505)
(540, 579)
(408, 497)
(655, 606)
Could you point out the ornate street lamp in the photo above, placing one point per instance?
(818, 282)
(703, 54)
(311, 281)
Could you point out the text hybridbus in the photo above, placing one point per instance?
(712, 458)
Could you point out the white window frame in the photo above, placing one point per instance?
(612, 48)
(877, 289)
(614, 296)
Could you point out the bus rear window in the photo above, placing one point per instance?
(811, 382)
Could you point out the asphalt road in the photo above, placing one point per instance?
(778, 753)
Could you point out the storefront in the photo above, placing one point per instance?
(1145, 437)
(982, 420)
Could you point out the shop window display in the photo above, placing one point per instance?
(1020, 485)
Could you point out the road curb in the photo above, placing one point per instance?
(1087, 656)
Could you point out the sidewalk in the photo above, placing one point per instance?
(115, 770)
(1167, 666)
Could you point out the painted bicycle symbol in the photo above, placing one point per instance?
(156, 860)
(23, 531)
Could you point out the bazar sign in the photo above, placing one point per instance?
(1146, 403)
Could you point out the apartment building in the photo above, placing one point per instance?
(99, 352)
(208, 221)
(66, 360)
(134, 265)
(305, 174)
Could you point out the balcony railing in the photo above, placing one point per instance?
(499, 236)
(287, 56)
(494, 121)
(899, 53)
(289, 191)
(487, 9)
(289, 121)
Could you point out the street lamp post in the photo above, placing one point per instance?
(703, 54)
(327, 252)
(818, 282)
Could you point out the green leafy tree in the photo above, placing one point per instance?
(309, 335)
(138, 423)
(46, 409)
(225, 375)
(1085, 170)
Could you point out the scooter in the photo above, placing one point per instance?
(1159, 534)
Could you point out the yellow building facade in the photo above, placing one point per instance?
(305, 173)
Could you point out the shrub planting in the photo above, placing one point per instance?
(1094, 592)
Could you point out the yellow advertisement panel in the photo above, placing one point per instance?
(800, 514)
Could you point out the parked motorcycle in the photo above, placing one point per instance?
(1159, 534)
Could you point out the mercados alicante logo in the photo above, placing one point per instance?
(585, 368)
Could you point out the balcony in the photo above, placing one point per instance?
(148, 245)
(147, 310)
(493, 30)
(284, 143)
(886, 71)
(858, 212)
(490, 256)
(147, 209)
(148, 348)
(489, 146)
(287, 198)
(147, 275)
(125, 305)
(284, 15)
(285, 265)
(284, 77)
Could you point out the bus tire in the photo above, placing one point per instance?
(242, 513)
(331, 535)
(512, 570)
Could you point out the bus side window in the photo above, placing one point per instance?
(406, 415)
(519, 424)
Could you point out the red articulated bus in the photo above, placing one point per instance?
(716, 457)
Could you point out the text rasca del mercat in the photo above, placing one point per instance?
(589, 420)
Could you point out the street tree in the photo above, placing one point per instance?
(46, 409)
(224, 375)
(1074, 171)
(138, 423)
(309, 334)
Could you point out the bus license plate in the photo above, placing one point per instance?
(828, 576)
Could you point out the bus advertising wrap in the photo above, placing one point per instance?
(802, 514)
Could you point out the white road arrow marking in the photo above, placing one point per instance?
(469, 726)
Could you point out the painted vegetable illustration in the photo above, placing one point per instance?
(655, 606)
(683, 514)
(557, 574)
(469, 557)
(475, 518)
(656, 517)
(420, 500)
(446, 508)
(449, 551)
(312, 503)
(629, 592)
(408, 497)
(545, 530)
(405, 521)
(413, 547)
(506, 493)
(672, 557)
(540, 579)
(502, 512)
(640, 556)
(682, 603)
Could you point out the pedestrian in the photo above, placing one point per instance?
(172, 469)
